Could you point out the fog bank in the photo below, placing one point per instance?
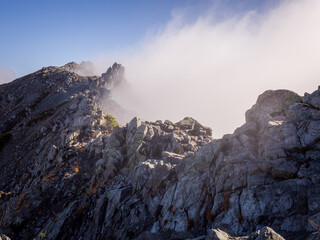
(214, 70)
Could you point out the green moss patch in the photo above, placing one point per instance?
(111, 121)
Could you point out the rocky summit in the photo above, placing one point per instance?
(68, 170)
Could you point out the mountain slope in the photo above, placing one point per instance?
(67, 171)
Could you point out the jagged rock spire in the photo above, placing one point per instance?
(115, 76)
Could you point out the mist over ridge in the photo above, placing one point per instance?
(213, 70)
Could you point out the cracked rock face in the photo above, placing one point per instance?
(67, 171)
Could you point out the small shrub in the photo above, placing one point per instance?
(111, 121)
(42, 235)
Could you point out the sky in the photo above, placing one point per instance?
(37, 33)
(208, 59)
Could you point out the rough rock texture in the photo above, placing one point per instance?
(115, 80)
(68, 172)
(265, 233)
(114, 76)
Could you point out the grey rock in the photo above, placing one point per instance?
(4, 237)
(115, 76)
(284, 170)
(271, 105)
(217, 234)
(68, 172)
(315, 221)
(172, 157)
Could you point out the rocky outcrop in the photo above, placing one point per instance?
(68, 172)
(115, 76)
(140, 141)
(115, 82)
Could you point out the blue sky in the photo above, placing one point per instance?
(41, 33)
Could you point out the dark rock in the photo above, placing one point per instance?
(315, 221)
(181, 235)
(149, 236)
(314, 236)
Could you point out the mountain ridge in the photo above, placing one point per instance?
(68, 170)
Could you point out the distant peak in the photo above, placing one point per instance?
(71, 66)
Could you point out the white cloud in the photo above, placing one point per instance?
(214, 71)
